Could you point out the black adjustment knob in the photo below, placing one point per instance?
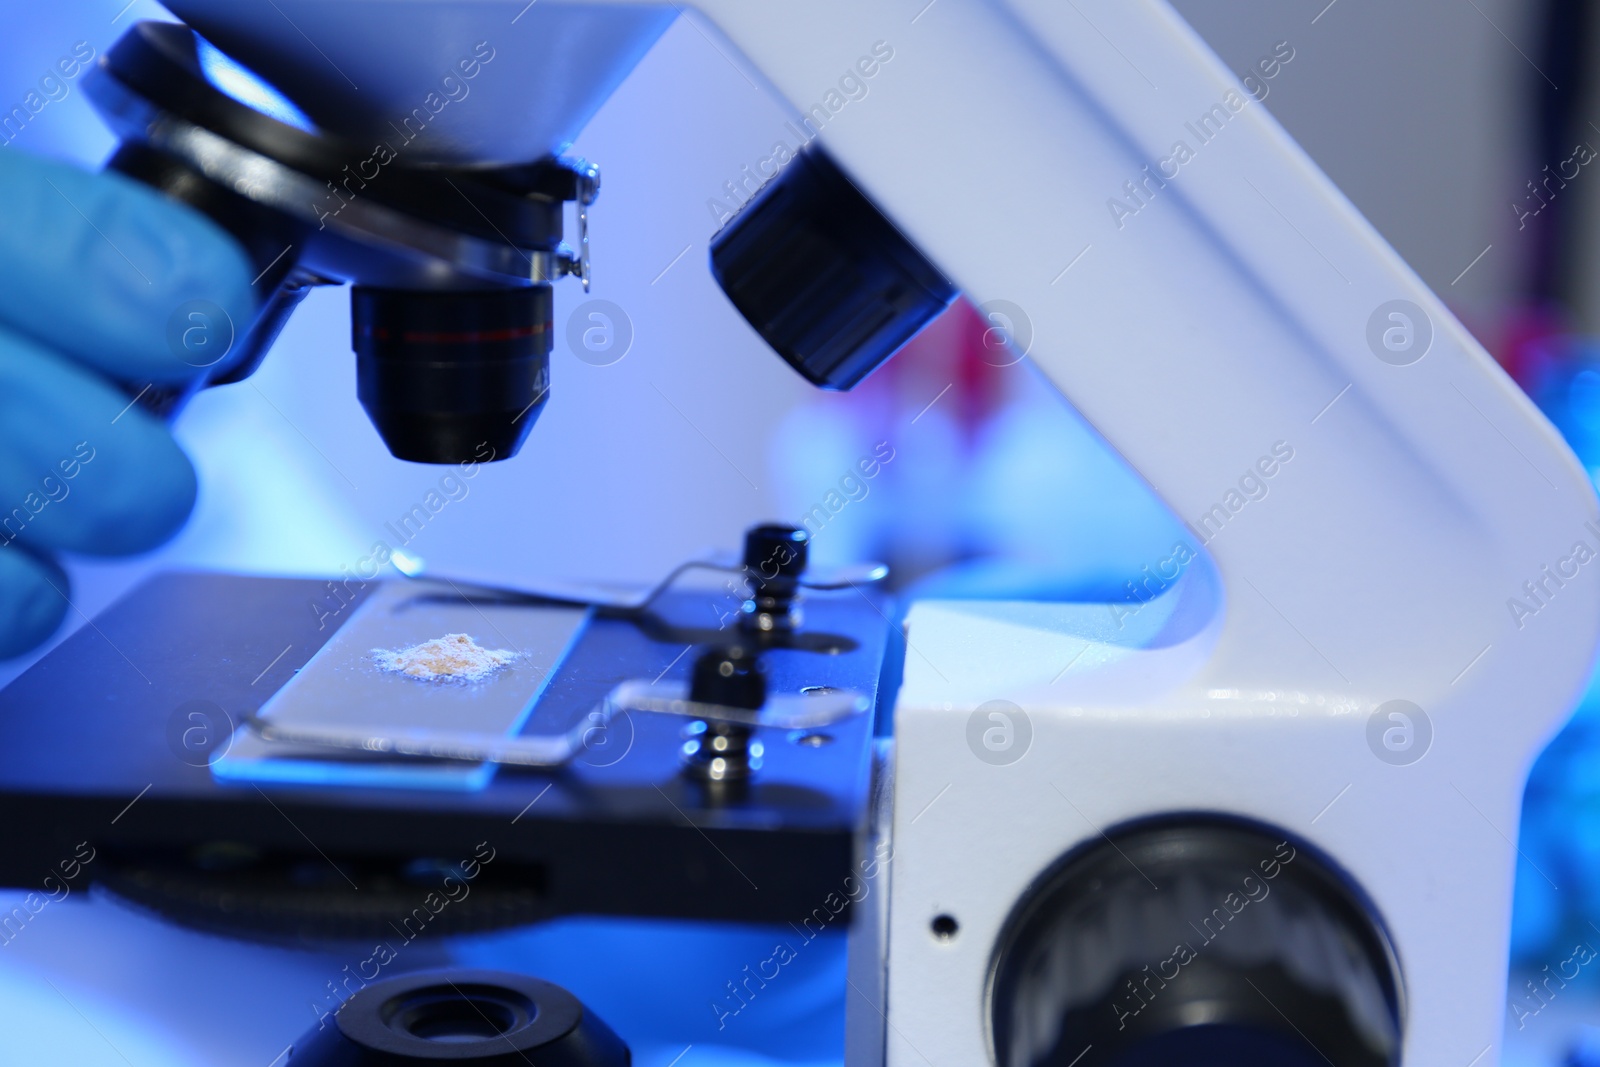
(775, 557)
(776, 552)
(730, 676)
(823, 277)
(724, 753)
(463, 1018)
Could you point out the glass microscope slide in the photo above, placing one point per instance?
(345, 686)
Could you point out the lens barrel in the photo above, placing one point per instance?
(823, 276)
(452, 376)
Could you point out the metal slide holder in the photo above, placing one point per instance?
(778, 712)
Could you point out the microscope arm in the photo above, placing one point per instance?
(1214, 315)
(1221, 315)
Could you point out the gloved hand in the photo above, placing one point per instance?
(92, 268)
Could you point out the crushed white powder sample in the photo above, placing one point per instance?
(453, 657)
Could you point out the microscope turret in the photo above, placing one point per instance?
(451, 265)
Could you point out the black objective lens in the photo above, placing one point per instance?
(823, 276)
(452, 376)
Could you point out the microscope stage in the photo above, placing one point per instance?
(97, 752)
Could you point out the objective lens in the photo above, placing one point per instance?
(452, 376)
(823, 276)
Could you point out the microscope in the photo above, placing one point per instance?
(1260, 811)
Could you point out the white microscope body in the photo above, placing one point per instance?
(1385, 516)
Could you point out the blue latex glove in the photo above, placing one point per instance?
(92, 267)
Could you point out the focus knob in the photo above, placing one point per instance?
(462, 1018)
(730, 676)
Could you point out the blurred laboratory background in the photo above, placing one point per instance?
(1464, 130)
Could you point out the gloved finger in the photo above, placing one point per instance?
(33, 599)
(106, 270)
(82, 469)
